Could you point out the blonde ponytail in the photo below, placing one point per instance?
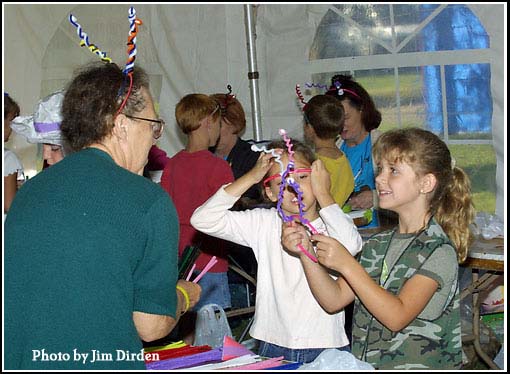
(455, 211)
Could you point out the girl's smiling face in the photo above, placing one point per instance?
(398, 185)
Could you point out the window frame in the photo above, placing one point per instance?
(395, 60)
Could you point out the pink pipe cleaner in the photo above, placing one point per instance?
(191, 272)
(207, 267)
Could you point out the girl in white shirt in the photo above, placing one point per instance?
(12, 165)
(288, 321)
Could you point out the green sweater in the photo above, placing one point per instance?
(87, 243)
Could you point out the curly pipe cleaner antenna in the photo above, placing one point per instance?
(277, 157)
(133, 30)
(300, 97)
(131, 51)
(228, 98)
(308, 85)
(85, 40)
(285, 178)
(316, 85)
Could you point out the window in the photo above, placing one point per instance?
(424, 65)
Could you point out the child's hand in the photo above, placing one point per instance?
(331, 253)
(321, 183)
(264, 163)
(294, 233)
(254, 176)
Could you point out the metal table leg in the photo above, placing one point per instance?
(476, 326)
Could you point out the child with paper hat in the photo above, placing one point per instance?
(44, 127)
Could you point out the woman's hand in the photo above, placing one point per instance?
(193, 290)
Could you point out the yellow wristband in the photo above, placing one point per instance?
(186, 297)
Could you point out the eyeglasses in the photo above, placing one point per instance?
(157, 125)
(266, 181)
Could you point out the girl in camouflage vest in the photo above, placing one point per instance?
(405, 285)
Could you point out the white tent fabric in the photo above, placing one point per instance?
(198, 48)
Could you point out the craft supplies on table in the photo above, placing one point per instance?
(230, 356)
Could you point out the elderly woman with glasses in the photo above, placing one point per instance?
(97, 275)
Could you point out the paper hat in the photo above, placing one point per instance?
(44, 125)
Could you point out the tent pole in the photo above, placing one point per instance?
(253, 74)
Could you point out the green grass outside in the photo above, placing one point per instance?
(384, 87)
(479, 162)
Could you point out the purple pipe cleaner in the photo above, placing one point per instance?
(202, 358)
(316, 85)
(292, 183)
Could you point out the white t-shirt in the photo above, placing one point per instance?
(12, 164)
(286, 312)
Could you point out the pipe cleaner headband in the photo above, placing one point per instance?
(131, 50)
(337, 87)
(341, 91)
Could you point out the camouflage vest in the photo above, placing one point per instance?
(432, 344)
